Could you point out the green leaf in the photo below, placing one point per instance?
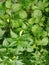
(37, 14)
(34, 28)
(16, 7)
(22, 14)
(19, 62)
(13, 35)
(31, 21)
(2, 24)
(8, 4)
(5, 43)
(15, 23)
(2, 50)
(1, 33)
(13, 44)
(44, 41)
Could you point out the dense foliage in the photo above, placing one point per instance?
(24, 32)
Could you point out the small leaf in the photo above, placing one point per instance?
(44, 41)
(22, 14)
(37, 14)
(1, 33)
(13, 44)
(5, 43)
(19, 62)
(13, 35)
(8, 3)
(2, 49)
(16, 7)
